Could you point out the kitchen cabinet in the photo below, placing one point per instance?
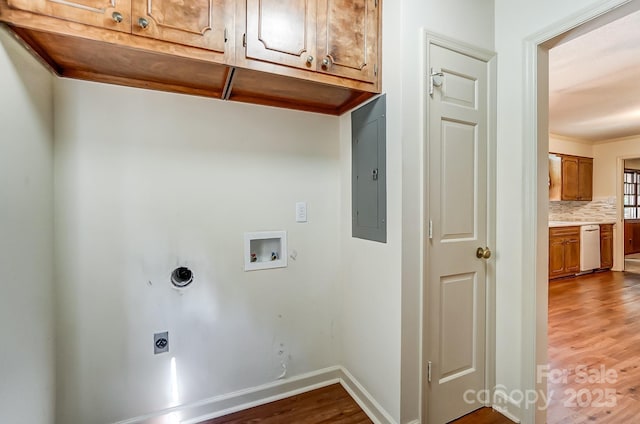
(197, 23)
(201, 24)
(110, 14)
(267, 39)
(631, 236)
(575, 177)
(606, 245)
(564, 251)
(314, 55)
(333, 37)
(348, 38)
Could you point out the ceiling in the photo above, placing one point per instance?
(594, 83)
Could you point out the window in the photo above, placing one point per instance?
(631, 194)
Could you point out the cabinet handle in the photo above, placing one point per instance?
(309, 59)
(326, 62)
(117, 17)
(143, 23)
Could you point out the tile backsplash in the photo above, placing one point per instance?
(596, 210)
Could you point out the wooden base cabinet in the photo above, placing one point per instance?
(631, 236)
(564, 251)
(606, 246)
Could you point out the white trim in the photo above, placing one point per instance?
(217, 406)
(618, 232)
(617, 140)
(507, 407)
(430, 38)
(246, 398)
(363, 398)
(534, 236)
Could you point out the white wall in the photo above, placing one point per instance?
(26, 237)
(570, 146)
(516, 20)
(605, 158)
(608, 161)
(632, 163)
(147, 181)
(382, 282)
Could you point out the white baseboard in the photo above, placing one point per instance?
(368, 404)
(195, 412)
(507, 406)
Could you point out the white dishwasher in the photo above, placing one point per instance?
(589, 247)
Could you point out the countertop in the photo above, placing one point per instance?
(554, 224)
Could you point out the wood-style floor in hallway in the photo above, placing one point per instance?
(594, 350)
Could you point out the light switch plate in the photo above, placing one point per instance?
(301, 212)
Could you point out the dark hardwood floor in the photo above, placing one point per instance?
(594, 361)
(594, 349)
(328, 405)
(483, 416)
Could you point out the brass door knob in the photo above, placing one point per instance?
(483, 253)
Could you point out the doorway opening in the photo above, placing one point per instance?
(631, 214)
(536, 231)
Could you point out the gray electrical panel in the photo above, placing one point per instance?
(369, 171)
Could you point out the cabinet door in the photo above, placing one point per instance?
(572, 254)
(585, 178)
(556, 257)
(197, 23)
(111, 14)
(569, 178)
(348, 38)
(635, 236)
(628, 237)
(282, 32)
(606, 246)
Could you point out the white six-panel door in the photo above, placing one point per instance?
(455, 278)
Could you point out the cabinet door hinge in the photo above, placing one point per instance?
(430, 230)
(225, 35)
(429, 371)
(376, 3)
(375, 69)
(244, 40)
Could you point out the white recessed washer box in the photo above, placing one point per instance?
(265, 250)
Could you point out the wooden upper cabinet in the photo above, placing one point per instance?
(348, 38)
(282, 32)
(585, 178)
(197, 23)
(333, 37)
(111, 14)
(575, 181)
(268, 52)
(569, 178)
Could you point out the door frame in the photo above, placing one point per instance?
(618, 234)
(535, 233)
(429, 39)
